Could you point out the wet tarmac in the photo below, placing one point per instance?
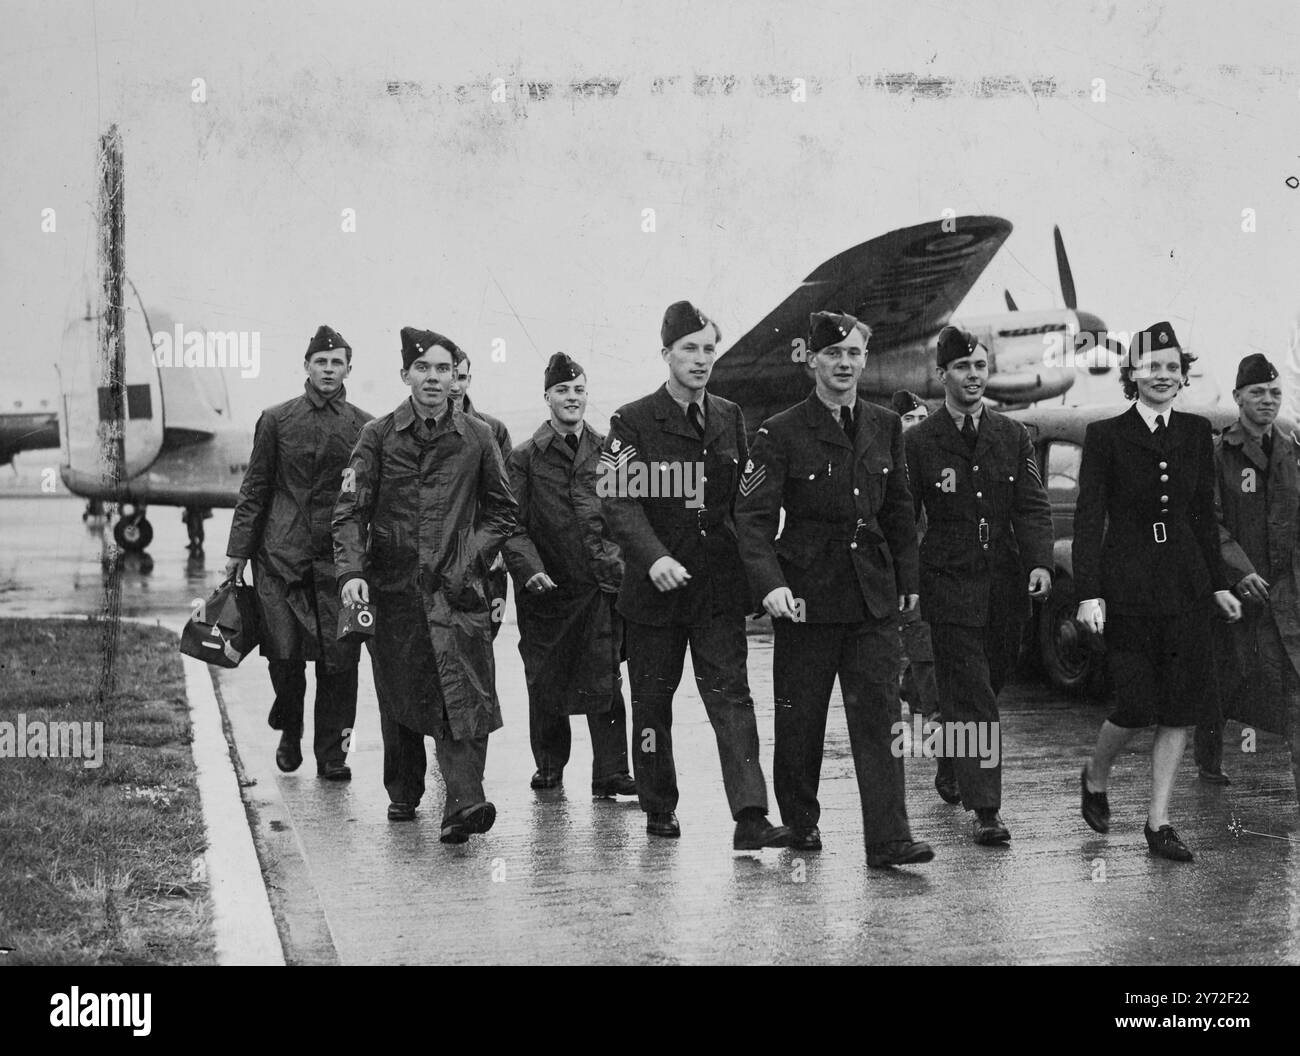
(563, 878)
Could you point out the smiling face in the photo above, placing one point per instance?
(1259, 404)
(838, 367)
(1158, 376)
(326, 370)
(430, 378)
(964, 379)
(690, 361)
(568, 401)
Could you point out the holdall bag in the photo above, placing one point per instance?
(225, 628)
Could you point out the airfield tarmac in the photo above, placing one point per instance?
(563, 878)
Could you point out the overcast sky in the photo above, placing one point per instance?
(521, 220)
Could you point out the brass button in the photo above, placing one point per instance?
(1164, 465)
(986, 546)
(975, 469)
(856, 492)
(1164, 498)
(853, 546)
(1164, 477)
(979, 494)
(885, 470)
(812, 476)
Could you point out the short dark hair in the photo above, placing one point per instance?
(1134, 356)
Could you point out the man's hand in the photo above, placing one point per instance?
(1228, 605)
(1092, 614)
(539, 583)
(355, 590)
(668, 573)
(779, 603)
(1253, 587)
(1040, 583)
(235, 567)
(907, 602)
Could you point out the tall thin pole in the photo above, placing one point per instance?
(112, 358)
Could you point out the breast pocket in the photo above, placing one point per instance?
(874, 470)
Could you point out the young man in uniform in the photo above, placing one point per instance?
(672, 465)
(1257, 486)
(834, 583)
(987, 550)
(424, 508)
(282, 522)
(567, 570)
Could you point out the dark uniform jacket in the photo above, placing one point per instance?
(567, 634)
(988, 521)
(1133, 492)
(1258, 505)
(282, 522)
(421, 522)
(848, 547)
(654, 433)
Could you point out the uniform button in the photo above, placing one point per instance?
(704, 480)
(1164, 477)
(1164, 465)
(975, 469)
(812, 476)
(886, 469)
(855, 491)
(1012, 479)
(979, 494)
(853, 546)
(986, 546)
(1164, 498)
(939, 483)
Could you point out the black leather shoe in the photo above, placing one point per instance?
(663, 824)
(989, 827)
(288, 756)
(468, 822)
(334, 772)
(547, 779)
(1166, 844)
(754, 832)
(945, 784)
(1095, 807)
(1213, 777)
(898, 852)
(618, 785)
(401, 811)
(806, 839)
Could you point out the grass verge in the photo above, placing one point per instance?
(98, 864)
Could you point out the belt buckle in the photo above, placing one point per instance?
(1159, 531)
(984, 531)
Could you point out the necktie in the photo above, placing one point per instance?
(696, 417)
(1267, 444)
(968, 430)
(1161, 433)
(847, 421)
(571, 439)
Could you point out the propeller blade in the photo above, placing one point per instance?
(1011, 305)
(1063, 266)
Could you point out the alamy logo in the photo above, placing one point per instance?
(947, 740)
(40, 739)
(76, 1009)
(622, 477)
(209, 348)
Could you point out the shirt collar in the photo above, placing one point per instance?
(407, 413)
(560, 436)
(834, 408)
(1149, 416)
(960, 416)
(683, 404)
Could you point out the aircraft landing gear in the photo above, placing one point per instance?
(132, 531)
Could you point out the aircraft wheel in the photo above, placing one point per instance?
(133, 533)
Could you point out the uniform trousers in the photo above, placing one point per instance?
(807, 659)
(919, 687)
(551, 737)
(718, 653)
(336, 705)
(971, 664)
(461, 763)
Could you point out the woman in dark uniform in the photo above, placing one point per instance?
(1146, 561)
